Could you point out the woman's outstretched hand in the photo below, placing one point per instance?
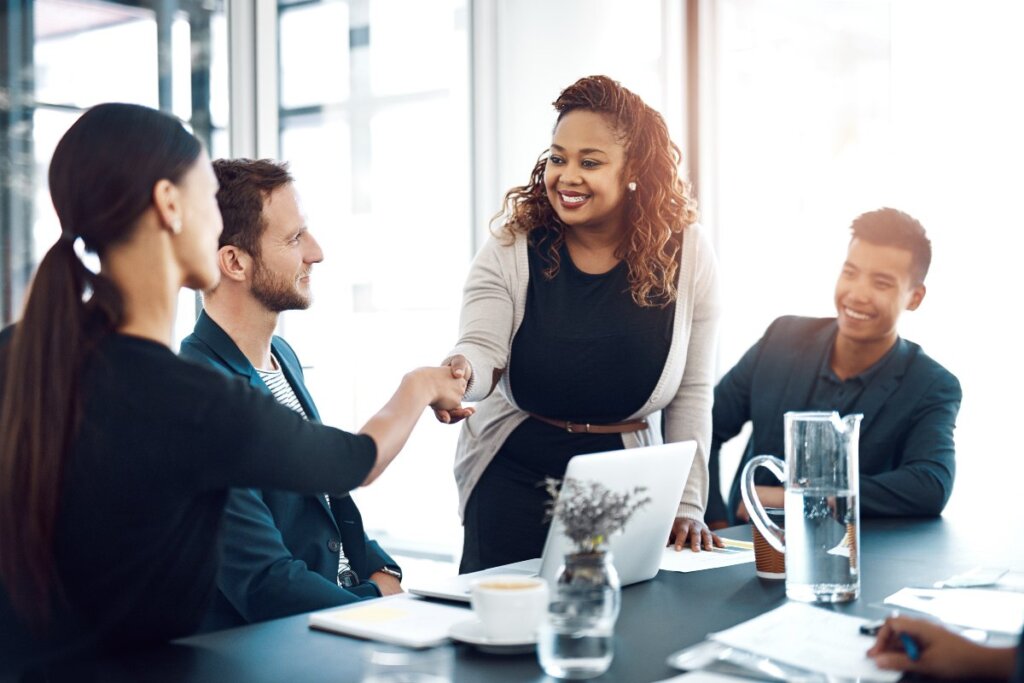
(440, 388)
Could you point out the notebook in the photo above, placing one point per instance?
(637, 550)
(401, 619)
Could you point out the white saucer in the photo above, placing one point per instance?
(472, 632)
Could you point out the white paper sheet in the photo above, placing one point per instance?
(990, 610)
(686, 560)
(811, 638)
(995, 578)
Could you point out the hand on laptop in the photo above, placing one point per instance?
(693, 533)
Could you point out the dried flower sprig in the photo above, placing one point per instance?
(589, 511)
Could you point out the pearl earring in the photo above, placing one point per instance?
(176, 226)
(631, 186)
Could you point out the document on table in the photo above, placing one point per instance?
(995, 578)
(401, 619)
(810, 638)
(990, 610)
(686, 560)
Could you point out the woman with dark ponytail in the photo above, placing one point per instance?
(115, 455)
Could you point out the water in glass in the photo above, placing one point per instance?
(822, 541)
(821, 477)
(576, 639)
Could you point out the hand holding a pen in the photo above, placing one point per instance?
(908, 644)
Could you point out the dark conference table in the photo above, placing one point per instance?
(658, 617)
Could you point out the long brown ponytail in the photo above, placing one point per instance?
(101, 180)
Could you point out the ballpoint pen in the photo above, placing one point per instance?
(911, 647)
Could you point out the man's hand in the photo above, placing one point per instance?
(693, 533)
(770, 497)
(387, 584)
(460, 369)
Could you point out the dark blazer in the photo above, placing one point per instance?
(280, 549)
(906, 437)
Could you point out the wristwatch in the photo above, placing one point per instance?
(392, 571)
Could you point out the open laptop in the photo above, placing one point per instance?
(636, 550)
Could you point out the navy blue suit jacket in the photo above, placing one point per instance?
(280, 549)
(906, 437)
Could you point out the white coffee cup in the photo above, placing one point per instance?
(509, 606)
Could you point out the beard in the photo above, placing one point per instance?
(277, 293)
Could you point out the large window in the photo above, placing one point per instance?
(57, 62)
(820, 111)
(374, 118)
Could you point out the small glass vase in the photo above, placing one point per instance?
(575, 639)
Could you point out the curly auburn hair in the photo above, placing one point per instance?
(657, 212)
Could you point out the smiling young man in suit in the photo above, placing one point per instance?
(283, 553)
(853, 363)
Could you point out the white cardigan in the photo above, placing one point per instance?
(493, 304)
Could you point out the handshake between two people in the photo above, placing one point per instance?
(448, 411)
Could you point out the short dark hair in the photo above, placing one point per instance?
(245, 185)
(893, 228)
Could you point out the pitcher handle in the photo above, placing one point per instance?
(771, 531)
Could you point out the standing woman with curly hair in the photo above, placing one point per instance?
(596, 303)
